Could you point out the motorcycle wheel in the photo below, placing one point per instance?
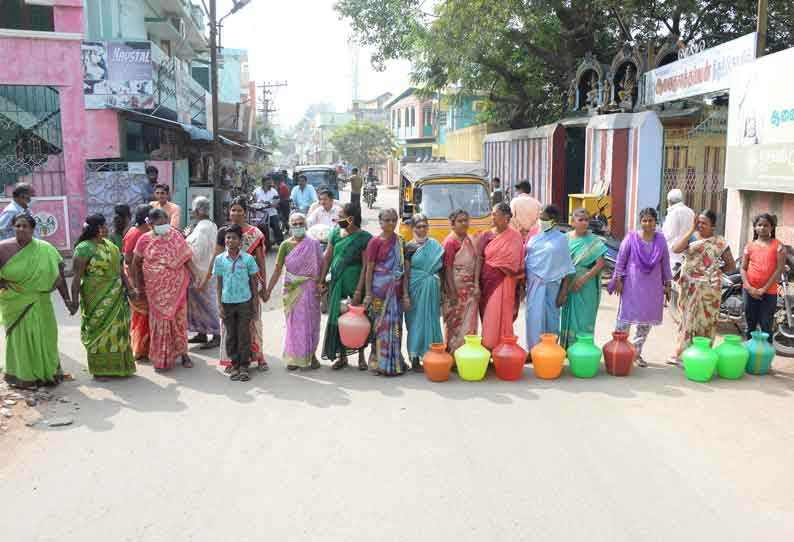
(784, 346)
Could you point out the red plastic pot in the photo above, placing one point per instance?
(509, 358)
(619, 354)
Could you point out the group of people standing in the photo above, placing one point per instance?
(142, 287)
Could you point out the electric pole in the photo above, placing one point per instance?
(216, 148)
(761, 28)
(267, 98)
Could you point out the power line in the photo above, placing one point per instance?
(267, 101)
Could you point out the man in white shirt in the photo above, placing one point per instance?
(326, 213)
(525, 209)
(268, 194)
(678, 221)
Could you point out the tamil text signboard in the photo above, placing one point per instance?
(118, 73)
(761, 125)
(702, 73)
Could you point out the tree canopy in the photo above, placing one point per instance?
(363, 143)
(523, 53)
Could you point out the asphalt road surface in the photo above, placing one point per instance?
(327, 456)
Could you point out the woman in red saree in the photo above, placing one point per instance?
(462, 274)
(253, 243)
(139, 323)
(160, 267)
(502, 253)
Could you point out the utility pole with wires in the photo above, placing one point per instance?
(267, 108)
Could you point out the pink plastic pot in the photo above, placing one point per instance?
(354, 327)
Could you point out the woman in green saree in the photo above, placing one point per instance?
(343, 269)
(29, 270)
(581, 307)
(424, 259)
(98, 285)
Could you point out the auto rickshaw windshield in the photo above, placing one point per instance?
(440, 199)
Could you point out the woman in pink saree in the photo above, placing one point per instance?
(160, 266)
(462, 274)
(301, 258)
(502, 252)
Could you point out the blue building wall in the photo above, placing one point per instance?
(229, 76)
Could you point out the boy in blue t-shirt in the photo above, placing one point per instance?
(237, 285)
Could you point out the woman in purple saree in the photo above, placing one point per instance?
(301, 259)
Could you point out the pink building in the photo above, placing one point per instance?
(41, 112)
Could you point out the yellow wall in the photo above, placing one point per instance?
(466, 144)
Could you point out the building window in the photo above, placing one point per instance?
(407, 117)
(427, 112)
(18, 15)
(399, 119)
(413, 117)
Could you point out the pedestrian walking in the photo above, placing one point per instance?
(385, 268)
(525, 210)
(700, 283)
(236, 272)
(343, 277)
(139, 321)
(99, 291)
(356, 184)
(268, 195)
(497, 195)
(584, 296)
(763, 263)
(162, 195)
(29, 270)
(202, 298)
(462, 282)
(283, 200)
(424, 260)
(301, 259)
(642, 280)
(677, 222)
(253, 242)
(121, 223)
(20, 204)
(549, 270)
(502, 254)
(153, 178)
(161, 268)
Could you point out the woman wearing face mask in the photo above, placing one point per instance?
(549, 268)
(424, 259)
(99, 287)
(385, 268)
(701, 280)
(584, 296)
(253, 242)
(502, 252)
(461, 282)
(343, 269)
(161, 269)
(642, 280)
(302, 259)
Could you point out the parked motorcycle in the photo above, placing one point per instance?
(783, 338)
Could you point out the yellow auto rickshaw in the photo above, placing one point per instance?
(435, 189)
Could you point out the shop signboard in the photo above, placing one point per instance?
(760, 152)
(51, 215)
(701, 73)
(118, 73)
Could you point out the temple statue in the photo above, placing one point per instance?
(592, 94)
(627, 88)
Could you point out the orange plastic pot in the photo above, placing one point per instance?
(548, 357)
(437, 363)
(509, 358)
(354, 327)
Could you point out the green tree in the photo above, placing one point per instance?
(524, 53)
(363, 143)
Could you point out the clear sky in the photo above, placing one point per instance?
(304, 43)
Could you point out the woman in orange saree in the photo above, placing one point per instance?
(462, 293)
(502, 252)
(161, 263)
(139, 323)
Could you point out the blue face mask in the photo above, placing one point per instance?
(298, 232)
(162, 229)
(546, 225)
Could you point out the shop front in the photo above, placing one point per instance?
(760, 161)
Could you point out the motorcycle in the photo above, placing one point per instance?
(783, 338)
(370, 194)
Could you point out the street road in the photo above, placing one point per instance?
(327, 456)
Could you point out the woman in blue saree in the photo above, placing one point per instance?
(424, 259)
(385, 267)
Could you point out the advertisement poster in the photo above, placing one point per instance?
(702, 73)
(51, 224)
(118, 73)
(761, 126)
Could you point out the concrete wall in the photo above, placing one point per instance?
(467, 144)
(103, 140)
(743, 205)
(56, 62)
(229, 78)
(116, 19)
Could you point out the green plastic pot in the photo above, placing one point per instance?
(732, 357)
(584, 356)
(700, 360)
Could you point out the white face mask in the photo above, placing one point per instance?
(162, 229)
(546, 225)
